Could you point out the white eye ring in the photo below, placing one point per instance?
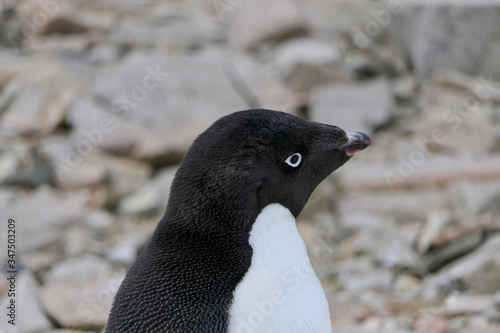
(296, 163)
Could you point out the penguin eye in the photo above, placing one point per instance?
(294, 160)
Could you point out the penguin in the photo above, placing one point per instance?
(226, 256)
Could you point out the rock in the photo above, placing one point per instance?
(152, 197)
(154, 96)
(449, 35)
(64, 23)
(364, 220)
(399, 253)
(497, 299)
(306, 51)
(306, 62)
(459, 305)
(124, 253)
(427, 324)
(477, 271)
(68, 46)
(67, 331)
(23, 166)
(171, 31)
(457, 124)
(407, 288)
(410, 172)
(475, 198)
(82, 303)
(495, 148)
(72, 169)
(436, 222)
(104, 53)
(76, 168)
(358, 107)
(347, 313)
(11, 65)
(405, 89)
(83, 267)
(249, 26)
(379, 236)
(486, 328)
(35, 104)
(124, 176)
(40, 261)
(372, 68)
(28, 306)
(439, 257)
(403, 206)
(360, 274)
(43, 215)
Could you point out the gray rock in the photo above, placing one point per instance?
(124, 176)
(23, 166)
(379, 236)
(37, 261)
(428, 324)
(76, 169)
(459, 305)
(11, 65)
(439, 257)
(28, 305)
(152, 197)
(174, 30)
(403, 206)
(82, 303)
(304, 51)
(399, 253)
(35, 104)
(72, 170)
(43, 215)
(352, 107)
(306, 62)
(478, 271)
(447, 34)
(73, 46)
(67, 331)
(474, 198)
(142, 108)
(410, 172)
(250, 26)
(497, 299)
(82, 267)
(437, 220)
(360, 274)
(124, 253)
(452, 121)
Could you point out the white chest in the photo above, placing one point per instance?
(280, 292)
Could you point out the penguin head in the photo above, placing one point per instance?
(250, 159)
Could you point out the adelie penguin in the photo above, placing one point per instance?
(226, 256)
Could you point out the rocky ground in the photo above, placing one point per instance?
(99, 100)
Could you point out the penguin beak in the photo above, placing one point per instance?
(357, 141)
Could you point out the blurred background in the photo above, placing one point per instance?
(99, 100)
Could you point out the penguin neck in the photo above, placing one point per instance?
(280, 291)
(200, 209)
